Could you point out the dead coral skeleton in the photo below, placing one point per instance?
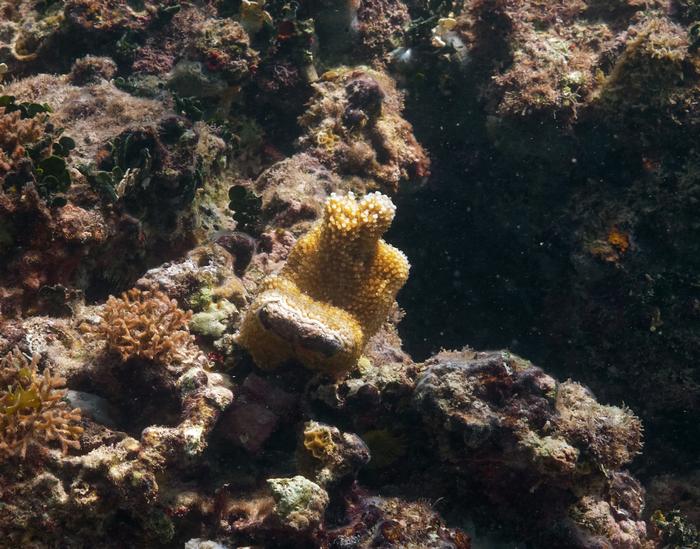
(32, 409)
(144, 324)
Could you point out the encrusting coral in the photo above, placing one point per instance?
(32, 409)
(334, 292)
(143, 324)
(329, 456)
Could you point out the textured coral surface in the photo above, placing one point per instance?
(334, 292)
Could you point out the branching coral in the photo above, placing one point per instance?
(15, 135)
(31, 408)
(143, 324)
(334, 292)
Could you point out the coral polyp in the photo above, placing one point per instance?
(32, 409)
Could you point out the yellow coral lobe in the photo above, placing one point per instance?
(334, 292)
(319, 442)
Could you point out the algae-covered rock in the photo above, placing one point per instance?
(354, 125)
(214, 321)
(480, 407)
(299, 503)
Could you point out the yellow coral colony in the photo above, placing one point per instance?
(32, 409)
(334, 292)
(318, 441)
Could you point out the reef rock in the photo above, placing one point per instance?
(495, 417)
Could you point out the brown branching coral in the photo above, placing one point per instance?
(143, 324)
(15, 134)
(32, 409)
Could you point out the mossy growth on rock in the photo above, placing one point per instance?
(32, 151)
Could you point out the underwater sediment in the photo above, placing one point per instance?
(376, 273)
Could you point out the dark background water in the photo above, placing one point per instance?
(495, 242)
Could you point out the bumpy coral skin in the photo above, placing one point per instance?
(334, 292)
(143, 324)
(32, 411)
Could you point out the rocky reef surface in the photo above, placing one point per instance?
(208, 211)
